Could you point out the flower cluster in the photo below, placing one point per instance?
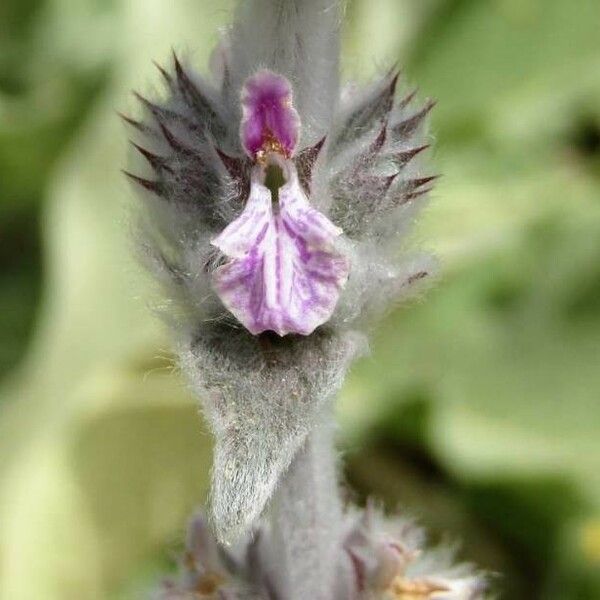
(274, 209)
(376, 559)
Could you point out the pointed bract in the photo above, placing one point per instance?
(263, 394)
(408, 126)
(155, 187)
(305, 163)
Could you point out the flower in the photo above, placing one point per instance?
(285, 274)
(388, 560)
(274, 211)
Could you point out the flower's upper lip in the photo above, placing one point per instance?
(270, 123)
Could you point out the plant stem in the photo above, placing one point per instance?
(306, 517)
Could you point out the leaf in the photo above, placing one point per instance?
(507, 70)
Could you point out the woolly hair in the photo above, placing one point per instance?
(359, 164)
(375, 559)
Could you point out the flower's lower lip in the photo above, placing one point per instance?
(285, 273)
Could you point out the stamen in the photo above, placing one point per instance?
(405, 589)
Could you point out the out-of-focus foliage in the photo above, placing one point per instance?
(478, 410)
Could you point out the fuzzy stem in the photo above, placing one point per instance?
(306, 517)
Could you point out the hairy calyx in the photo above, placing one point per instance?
(284, 273)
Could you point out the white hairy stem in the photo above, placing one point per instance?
(306, 518)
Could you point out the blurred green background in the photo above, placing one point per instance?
(478, 411)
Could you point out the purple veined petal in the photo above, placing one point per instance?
(241, 238)
(303, 219)
(285, 274)
(269, 119)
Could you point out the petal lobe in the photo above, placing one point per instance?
(285, 273)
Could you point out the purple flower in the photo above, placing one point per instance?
(285, 274)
